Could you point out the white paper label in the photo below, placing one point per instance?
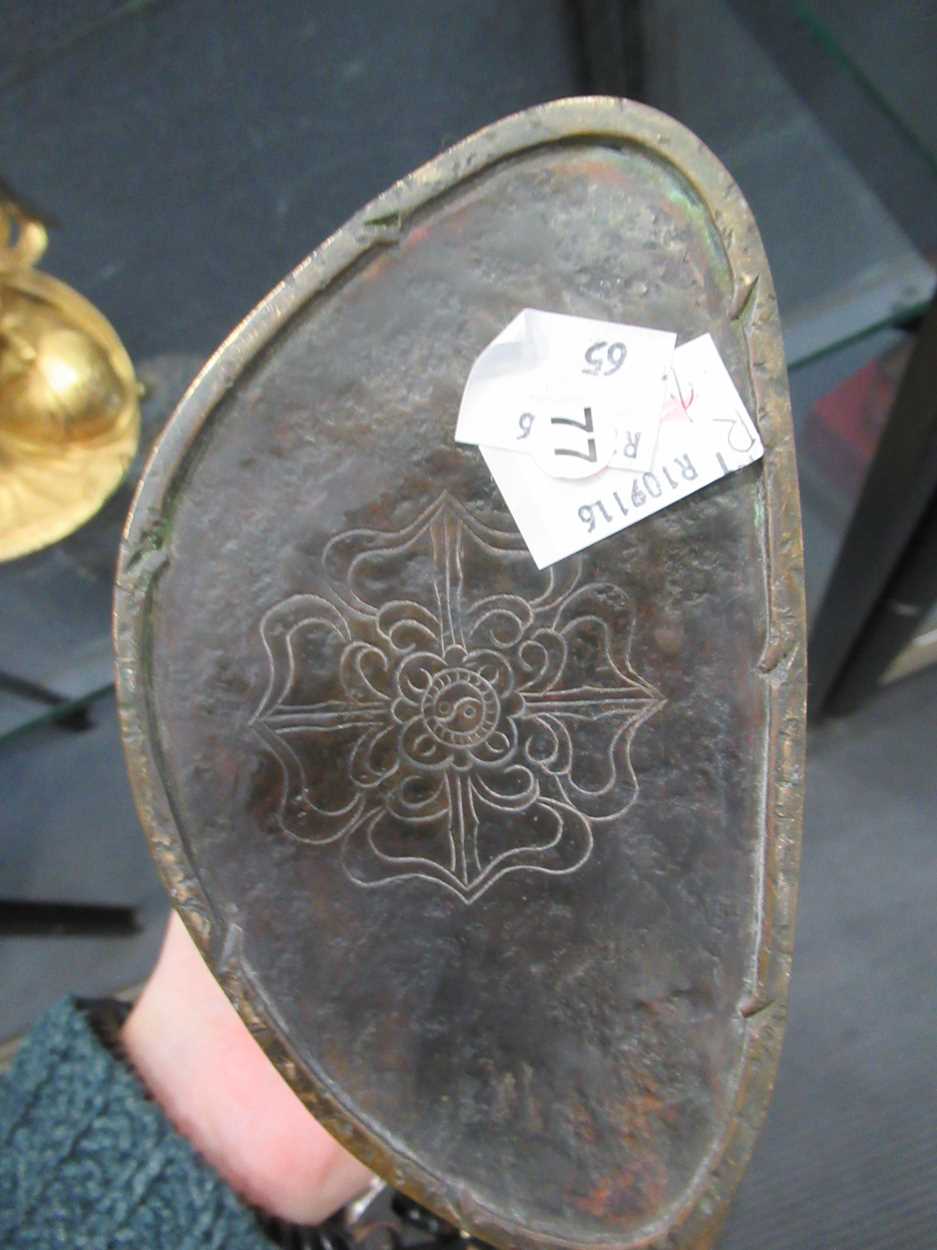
(547, 373)
(579, 455)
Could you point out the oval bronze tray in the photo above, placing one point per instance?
(531, 967)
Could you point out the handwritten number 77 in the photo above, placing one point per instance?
(587, 428)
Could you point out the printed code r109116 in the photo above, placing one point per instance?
(645, 486)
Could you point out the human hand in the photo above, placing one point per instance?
(215, 1084)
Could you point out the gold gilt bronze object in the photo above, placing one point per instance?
(69, 411)
(497, 863)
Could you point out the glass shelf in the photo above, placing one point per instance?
(840, 402)
(843, 263)
(890, 49)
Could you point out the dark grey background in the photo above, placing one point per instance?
(193, 152)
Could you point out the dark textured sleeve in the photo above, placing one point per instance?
(86, 1161)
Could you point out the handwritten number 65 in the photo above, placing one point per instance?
(605, 358)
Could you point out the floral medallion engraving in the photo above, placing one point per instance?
(448, 712)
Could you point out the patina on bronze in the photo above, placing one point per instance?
(498, 865)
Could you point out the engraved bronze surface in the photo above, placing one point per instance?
(497, 864)
(463, 714)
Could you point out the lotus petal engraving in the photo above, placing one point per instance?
(470, 752)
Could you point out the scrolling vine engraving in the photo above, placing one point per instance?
(443, 733)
